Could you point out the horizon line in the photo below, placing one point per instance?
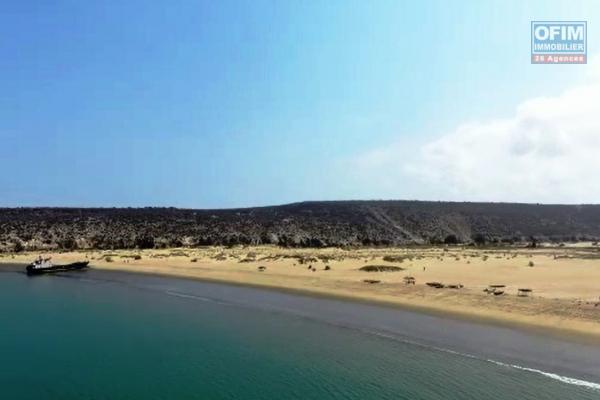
(295, 203)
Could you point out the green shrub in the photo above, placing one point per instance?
(381, 268)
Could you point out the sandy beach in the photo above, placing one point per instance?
(563, 282)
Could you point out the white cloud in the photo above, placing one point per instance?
(549, 151)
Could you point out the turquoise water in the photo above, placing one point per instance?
(64, 338)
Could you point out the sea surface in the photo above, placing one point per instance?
(101, 335)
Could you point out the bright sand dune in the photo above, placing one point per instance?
(565, 280)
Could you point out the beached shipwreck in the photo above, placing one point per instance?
(45, 266)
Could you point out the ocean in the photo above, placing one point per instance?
(101, 335)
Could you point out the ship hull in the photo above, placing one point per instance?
(31, 270)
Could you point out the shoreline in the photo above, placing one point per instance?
(560, 318)
(547, 330)
(515, 348)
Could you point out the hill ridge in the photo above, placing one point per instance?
(302, 224)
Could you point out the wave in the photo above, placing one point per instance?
(551, 375)
(194, 297)
(564, 379)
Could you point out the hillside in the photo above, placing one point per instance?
(307, 224)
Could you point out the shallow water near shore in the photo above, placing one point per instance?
(98, 335)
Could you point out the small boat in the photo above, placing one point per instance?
(43, 266)
(437, 285)
(455, 286)
(371, 281)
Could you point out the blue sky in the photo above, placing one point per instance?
(224, 104)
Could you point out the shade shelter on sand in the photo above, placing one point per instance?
(409, 280)
(524, 292)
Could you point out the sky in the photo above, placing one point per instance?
(217, 104)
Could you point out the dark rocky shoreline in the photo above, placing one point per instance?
(307, 224)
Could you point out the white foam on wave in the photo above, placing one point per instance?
(551, 375)
(193, 297)
(565, 379)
